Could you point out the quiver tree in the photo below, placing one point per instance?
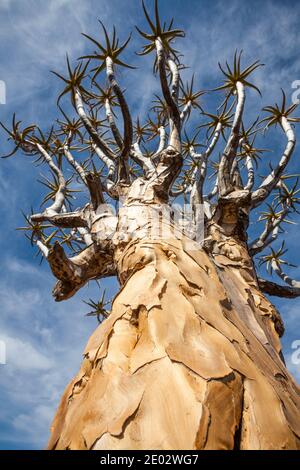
(189, 356)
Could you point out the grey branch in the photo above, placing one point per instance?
(114, 129)
(287, 279)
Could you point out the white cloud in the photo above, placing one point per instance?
(5, 4)
(18, 301)
(21, 355)
(21, 266)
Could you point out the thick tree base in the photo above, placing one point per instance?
(188, 359)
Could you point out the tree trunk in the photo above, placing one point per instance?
(190, 358)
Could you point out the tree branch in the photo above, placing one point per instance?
(128, 130)
(287, 279)
(184, 113)
(250, 171)
(268, 236)
(85, 235)
(277, 290)
(174, 115)
(175, 79)
(66, 220)
(95, 188)
(162, 142)
(214, 191)
(270, 182)
(230, 151)
(90, 129)
(114, 129)
(73, 273)
(59, 200)
(77, 167)
(200, 172)
(44, 249)
(145, 162)
(110, 164)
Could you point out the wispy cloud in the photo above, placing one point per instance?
(23, 355)
(44, 343)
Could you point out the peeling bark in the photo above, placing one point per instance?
(192, 322)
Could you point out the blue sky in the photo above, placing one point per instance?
(44, 339)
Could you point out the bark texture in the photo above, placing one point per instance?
(188, 359)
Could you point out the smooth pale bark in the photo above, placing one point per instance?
(250, 171)
(144, 161)
(270, 182)
(111, 120)
(225, 183)
(162, 141)
(287, 279)
(59, 199)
